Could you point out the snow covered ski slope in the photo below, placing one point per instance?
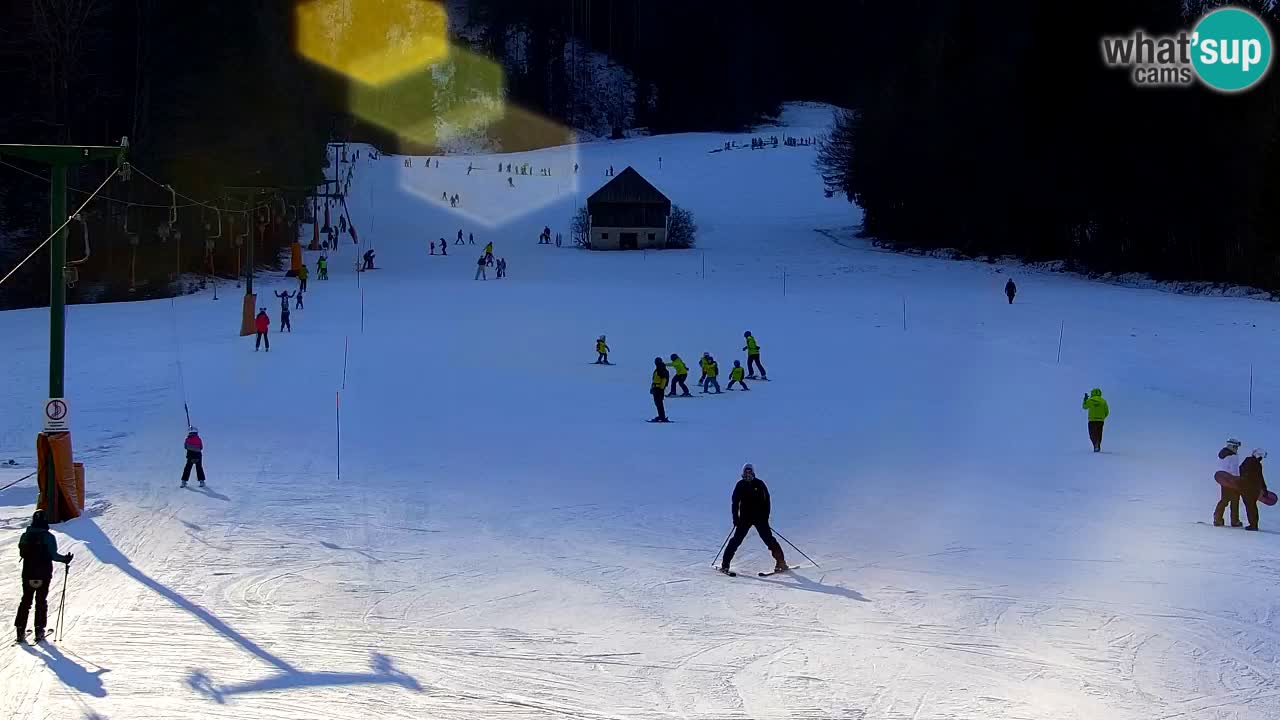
(509, 539)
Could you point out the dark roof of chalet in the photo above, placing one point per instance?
(628, 187)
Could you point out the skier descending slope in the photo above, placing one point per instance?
(753, 357)
(1098, 412)
(750, 505)
(602, 351)
(38, 549)
(658, 388)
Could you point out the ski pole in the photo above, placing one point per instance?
(784, 539)
(66, 575)
(722, 547)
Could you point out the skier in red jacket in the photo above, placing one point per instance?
(262, 323)
(195, 456)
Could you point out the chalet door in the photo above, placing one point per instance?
(628, 241)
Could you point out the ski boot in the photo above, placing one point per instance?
(184, 484)
(201, 483)
(22, 636)
(1254, 528)
(1235, 524)
(39, 635)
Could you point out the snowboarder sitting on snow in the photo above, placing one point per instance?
(602, 351)
(682, 374)
(736, 375)
(1010, 289)
(751, 507)
(1098, 411)
(284, 310)
(753, 357)
(1252, 485)
(368, 259)
(658, 389)
(38, 550)
(1229, 462)
(713, 374)
(262, 323)
(195, 456)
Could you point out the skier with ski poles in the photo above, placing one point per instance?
(38, 550)
(750, 506)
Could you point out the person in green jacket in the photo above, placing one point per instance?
(753, 357)
(302, 278)
(736, 376)
(713, 374)
(703, 363)
(1098, 411)
(682, 374)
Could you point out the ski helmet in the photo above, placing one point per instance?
(1259, 453)
(1233, 443)
(674, 356)
(746, 334)
(192, 430)
(748, 470)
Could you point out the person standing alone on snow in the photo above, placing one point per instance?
(750, 505)
(1252, 485)
(753, 357)
(262, 323)
(602, 351)
(1010, 289)
(38, 550)
(659, 389)
(682, 374)
(480, 265)
(1229, 463)
(195, 456)
(284, 310)
(1098, 411)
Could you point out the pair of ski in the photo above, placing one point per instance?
(48, 638)
(184, 485)
(731, 573)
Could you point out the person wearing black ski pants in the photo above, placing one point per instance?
(658, 388)
(38, 549)
(751, 506)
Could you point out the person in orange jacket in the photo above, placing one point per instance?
(262, 323)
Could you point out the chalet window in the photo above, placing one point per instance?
(604, 236)
(652, 237)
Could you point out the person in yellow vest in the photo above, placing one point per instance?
(602, 351)
(302, 278)
(713, 374)
(736, 375)
(753, 357)
(682, 373)
(703, 362)
(658, 389)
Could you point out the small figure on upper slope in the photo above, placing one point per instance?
(444, 247)
(682, 374)
(1229, 462)
(736, 375)
(658, 388)
(262, 323)
(1010, 289)
(511, 182)
(38, 550)
(753, 357)
(602, 351)
(751, 507)
(1252, 485)
(1098, 412)
(433, 248)
(368, 259)
(195, 456)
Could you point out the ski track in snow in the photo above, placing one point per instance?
(509, 540)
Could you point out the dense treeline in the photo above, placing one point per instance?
(995, 128)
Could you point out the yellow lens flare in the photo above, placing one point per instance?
(372, 41)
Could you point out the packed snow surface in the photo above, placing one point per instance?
(508, 538)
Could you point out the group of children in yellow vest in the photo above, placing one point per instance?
(710, 377)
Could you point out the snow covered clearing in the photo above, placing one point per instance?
(509, 539)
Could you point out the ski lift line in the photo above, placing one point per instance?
(106, 198)
(60, 228)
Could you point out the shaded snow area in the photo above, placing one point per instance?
(510, 539)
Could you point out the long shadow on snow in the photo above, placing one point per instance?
(87, 531)
(211, 493)
(71, 673)
(804, 583)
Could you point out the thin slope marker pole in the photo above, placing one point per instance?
(337, 415)
(1061, 329)
(361, 311)
(1250, 388)
(346, 349)
(904, 314)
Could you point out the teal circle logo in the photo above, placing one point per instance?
(1231, 49)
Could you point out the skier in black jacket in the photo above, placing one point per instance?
(38, 550)
(1252, 485)
(751, 509)
(1010, 289)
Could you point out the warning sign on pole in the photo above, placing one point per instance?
(55, 416)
